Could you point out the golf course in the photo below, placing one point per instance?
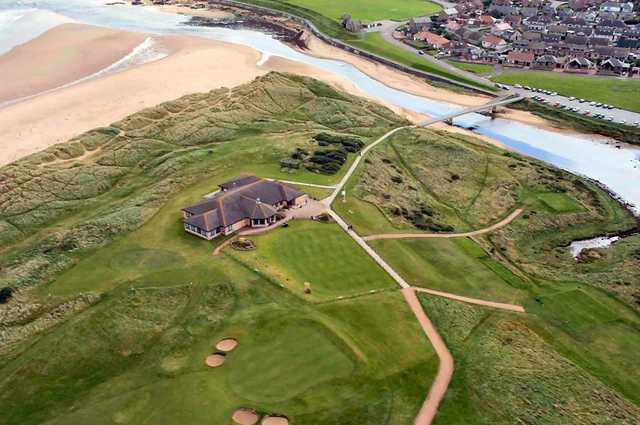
(119, 316)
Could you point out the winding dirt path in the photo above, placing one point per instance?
(502, 306)
(438, 389)
(478, 232)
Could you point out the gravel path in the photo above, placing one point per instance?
(502, 306)
(440, 384)
(478, 232)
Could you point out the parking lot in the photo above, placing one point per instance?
(585, 107)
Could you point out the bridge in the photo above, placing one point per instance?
(490, 106)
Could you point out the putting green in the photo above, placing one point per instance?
(559, 202)
(277, 367)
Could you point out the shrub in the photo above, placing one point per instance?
(5, 294)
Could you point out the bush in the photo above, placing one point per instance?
(5, 294)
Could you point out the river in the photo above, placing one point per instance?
(615, 165)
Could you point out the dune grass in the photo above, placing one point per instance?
(620, 92)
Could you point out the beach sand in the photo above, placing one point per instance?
(205, 13)
(65, 53)
(193, 65)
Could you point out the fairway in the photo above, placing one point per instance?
(559, 202)
(624, 93)
(451, 265)
(262, 371)
(321, 254)
(370, 10)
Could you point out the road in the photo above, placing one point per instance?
(617, 114)
(388, 28)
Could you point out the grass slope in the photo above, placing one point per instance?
(623, 93)
(370, 10)
(476, 68)
(117, 307)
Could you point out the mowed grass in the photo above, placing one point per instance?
(476, 68)
(321, 254)
(560, 202)
(623, 93)
(458, 266)
(370, 10)
(260, 375)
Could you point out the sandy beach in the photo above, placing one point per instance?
(65, 53)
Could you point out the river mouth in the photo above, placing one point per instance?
(616, 168)
(578, 247)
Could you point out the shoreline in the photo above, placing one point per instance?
(94, 49)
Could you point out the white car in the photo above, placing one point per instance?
(572, 98)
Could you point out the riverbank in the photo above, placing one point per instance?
(569, 121)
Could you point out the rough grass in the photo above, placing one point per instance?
(507, 373)
(620, 92)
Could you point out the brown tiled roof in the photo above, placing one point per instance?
(248, 197)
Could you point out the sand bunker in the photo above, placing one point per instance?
(227, 344)
(215, 360)
(245, 416)
(275, 420)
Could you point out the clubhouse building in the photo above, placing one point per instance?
(246, 202)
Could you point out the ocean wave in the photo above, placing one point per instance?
(18, 26)
(145, 52)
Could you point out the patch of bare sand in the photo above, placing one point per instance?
(275, 420)
(227, 344)
(215, 360)
(245, 416)
(64, 54)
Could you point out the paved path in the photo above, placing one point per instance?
(478, 232)
(440, 384)
(502, 306)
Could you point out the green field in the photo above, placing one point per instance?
(116, 308)
(560, 202)
(476, 68)
(321, 254)
(119, 306)
(370, 10)
(528, 378)
(458, 266)
(623, 93)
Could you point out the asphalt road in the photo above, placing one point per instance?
(617, 114)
